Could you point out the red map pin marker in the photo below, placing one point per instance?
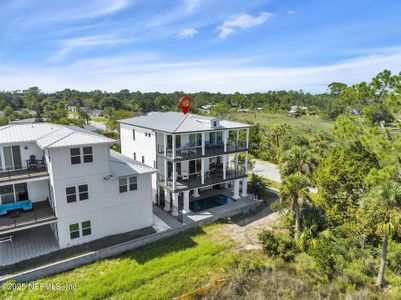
(185, 103)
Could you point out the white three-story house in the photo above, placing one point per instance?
(70, 178)
(192, 154)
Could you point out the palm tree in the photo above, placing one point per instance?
(297, 159)
(382, 207)
(293, 192)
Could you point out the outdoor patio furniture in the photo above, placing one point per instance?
(24, 205)
(32, 163)
(185, 175)
(184, 152)
(6, 239)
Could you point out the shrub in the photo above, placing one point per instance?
(277, 245)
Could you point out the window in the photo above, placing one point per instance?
(86, 228)
(133, 134)
(134, 155)
(88, 154)
(133, 183)
(146, 134)
(83, 192)
(75, 156)
(143, 159)
(214, 123)
(74, 231)
(123, 185)
(71, 194)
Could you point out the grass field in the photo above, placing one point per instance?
(159, 271)
(270, 119)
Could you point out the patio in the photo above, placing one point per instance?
(27, 244)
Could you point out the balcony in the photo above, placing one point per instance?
(194, 152)
(195, 180)
(41, 213)
(32, 171)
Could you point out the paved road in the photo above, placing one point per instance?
(99, 125)
(267, 170)
(270, 171)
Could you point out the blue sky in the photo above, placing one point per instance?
(196, 45)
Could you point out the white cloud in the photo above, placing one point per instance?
(188, 33)
(190, 4)
(242, 21)
(146, 72)
(291, 12)
(71, 45)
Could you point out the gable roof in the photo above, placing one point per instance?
(47, 135)
(174, 122)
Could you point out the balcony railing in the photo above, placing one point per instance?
(30, 172)
(41, 212)
(193, 152)
(195, 180)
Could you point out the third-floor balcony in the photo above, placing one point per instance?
(34, 168)
(192, 152)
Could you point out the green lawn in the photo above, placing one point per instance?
(99, 119)
(162, 270)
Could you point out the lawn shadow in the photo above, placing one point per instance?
(166, 246)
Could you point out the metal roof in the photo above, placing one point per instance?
(122, 166)
(50, 135)
(174, 122)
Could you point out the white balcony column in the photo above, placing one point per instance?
(165, 172)
(224, 167)
(196, 193)
(244, 191)
(247, 138)
(246, 163)
(202, 170)
(236, 189)
(186, 202)
(173, 140)
(175, 204)
(165, 144)
(225, 139)
(174, 175)
(167, 200)
(203, 143)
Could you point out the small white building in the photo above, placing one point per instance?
(69, 178)
(192, 154)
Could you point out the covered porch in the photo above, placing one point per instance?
(180, 202)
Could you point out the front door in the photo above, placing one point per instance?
(12, 157)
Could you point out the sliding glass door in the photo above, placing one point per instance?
(12, 158)
(13, 193)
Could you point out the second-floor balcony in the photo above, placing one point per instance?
(34, 168)
(13, 220)
(192, 152)
(211, 177)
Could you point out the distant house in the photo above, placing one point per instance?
(260, 108)
(244, 110)
(96, 113)
(294, 112)
(206, 108)
(72, 108)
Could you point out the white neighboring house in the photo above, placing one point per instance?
(74, 182)
(192, 153)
